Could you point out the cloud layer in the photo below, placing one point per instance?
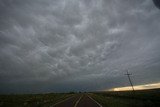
(77, 45)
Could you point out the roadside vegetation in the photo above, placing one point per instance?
(32, 100)
(145, 98)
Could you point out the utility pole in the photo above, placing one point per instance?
(128, 75)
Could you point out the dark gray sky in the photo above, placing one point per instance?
(77, 45)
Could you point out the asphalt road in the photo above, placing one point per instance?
(80, 100)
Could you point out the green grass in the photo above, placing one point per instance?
(32, 100)
(146, 98)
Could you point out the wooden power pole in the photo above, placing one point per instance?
(128, 75)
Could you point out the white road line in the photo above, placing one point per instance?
(62, 101)
(95, 101)
(77, 102)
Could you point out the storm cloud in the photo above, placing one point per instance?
(77, 45)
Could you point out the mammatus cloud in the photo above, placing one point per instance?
(77, 45)
(157, 3)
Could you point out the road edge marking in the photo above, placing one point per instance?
(62, 101)
(78, 101)
(95, 101)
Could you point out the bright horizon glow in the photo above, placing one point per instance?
(138, 87)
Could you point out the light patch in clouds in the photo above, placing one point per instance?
(137, 87)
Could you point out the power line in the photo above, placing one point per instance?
(128, 75)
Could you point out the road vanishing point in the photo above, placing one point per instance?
(80, 100)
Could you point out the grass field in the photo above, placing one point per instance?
(32, 100)
(145, 98)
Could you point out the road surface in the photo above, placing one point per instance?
(80, 100)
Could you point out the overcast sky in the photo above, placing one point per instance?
(77, 45)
